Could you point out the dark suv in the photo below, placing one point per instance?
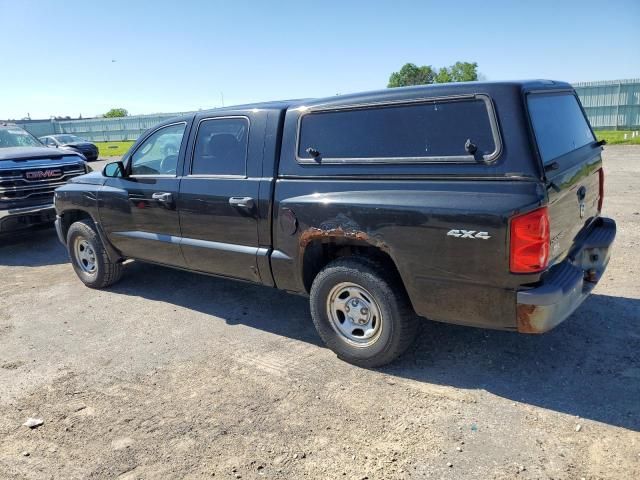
(471, 203)
(72, 142)
(29, 172)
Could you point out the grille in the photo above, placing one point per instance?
(18, 191)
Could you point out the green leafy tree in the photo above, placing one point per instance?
(463, 72)
(444, 76)
(410, 74)
(116, 112)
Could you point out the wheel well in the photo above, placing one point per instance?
(71, 216)
(319, 254)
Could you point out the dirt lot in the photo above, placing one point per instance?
(174, 375)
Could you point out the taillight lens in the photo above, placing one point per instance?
(601, 192)
(530, 241)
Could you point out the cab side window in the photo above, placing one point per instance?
(158, 154)
(221, 147)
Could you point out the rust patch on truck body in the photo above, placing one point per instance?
(314, 233)
(528, 317)
(339, 233)
(339, 229)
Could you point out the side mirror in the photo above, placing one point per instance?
(113, 169)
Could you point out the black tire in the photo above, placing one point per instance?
(398, 322)
(105, 272)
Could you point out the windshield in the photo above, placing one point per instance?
(68, 139)
(16, 137)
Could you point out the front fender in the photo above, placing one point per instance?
(77, 196)
(79, 201)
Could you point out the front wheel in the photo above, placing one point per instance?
(361, 314)
(89, 258)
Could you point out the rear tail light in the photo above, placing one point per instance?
(529, 251)
(601, 192)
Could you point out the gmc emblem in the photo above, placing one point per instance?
(42, 174)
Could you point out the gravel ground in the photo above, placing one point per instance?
(173, 375)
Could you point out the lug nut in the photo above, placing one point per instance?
(364, 311)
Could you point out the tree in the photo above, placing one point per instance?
(463, 72)
(410, 74)
(444, 76)
(116, 112)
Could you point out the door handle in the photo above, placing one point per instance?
(242, 202)
(162, 197)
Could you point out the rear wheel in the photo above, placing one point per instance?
(89, 258)
(361, 314)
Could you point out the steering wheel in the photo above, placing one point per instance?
(168, 165)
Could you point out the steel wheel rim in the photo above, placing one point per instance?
(354, 314)
(85, 255)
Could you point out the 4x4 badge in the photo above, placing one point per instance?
(459, 233)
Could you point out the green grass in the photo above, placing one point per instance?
(112, 149)
(616, 137)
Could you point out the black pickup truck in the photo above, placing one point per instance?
(471, 203)
(29, 173)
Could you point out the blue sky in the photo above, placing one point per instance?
(70, 57)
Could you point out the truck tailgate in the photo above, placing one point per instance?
(573, 203)
(572, 163)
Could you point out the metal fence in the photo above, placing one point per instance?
(98, 129)
(112, 129)
(38, 128)
(611, 105)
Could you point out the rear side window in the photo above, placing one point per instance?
(436, 130)
(221, 147)
(559, 124)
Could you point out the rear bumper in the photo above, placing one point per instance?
(568, 283)
(17, 218)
